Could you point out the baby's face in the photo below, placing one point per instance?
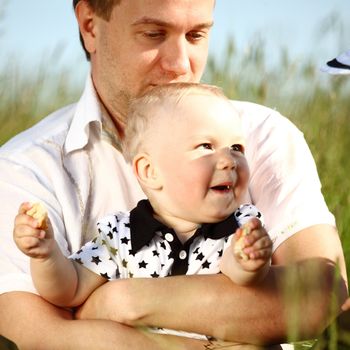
(199, 154)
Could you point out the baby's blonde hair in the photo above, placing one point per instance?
(141, 114)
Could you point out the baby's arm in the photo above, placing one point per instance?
(247, 260)
(56, 278)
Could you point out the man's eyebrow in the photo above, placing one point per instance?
(158, 22)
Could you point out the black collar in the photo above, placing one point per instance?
(143, 226)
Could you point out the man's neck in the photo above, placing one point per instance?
(115, 109)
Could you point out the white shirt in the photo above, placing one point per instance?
(68, 162)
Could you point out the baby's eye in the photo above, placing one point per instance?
(237, 148)
(206, 146)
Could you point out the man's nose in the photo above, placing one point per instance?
(226, 160)
(175, 58)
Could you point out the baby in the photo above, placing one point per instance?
(186, 147)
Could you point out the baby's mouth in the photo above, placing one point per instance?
(221, 188)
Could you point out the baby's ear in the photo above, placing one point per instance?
(146, 171)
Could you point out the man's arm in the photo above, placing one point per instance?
(299, 287)
(32, 323)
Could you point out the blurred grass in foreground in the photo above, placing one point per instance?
(318, 104)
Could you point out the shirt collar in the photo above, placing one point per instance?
(89, 113)
(143, 226)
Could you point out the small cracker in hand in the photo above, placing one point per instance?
(239, 245)
(39, 213)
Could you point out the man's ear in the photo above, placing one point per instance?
(86, 18)
(146, 172)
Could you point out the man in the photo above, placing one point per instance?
(72, 163)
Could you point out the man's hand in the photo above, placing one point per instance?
(33, 233)
(346, 305)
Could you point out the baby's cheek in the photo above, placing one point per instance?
(243, 172)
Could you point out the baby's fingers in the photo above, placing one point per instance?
(24, 207)
(33, 247)
(253, 224)
(255, 236)
(22, 219)
(260, 249)
(24, 230)
(39, 213)
(28, 243)
(260, 254)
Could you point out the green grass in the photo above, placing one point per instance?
(26, 97)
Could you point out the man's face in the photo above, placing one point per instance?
(199, 156)
(147, 43)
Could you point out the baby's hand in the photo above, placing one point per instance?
(32, 232)
(39, 213)
(252, 246)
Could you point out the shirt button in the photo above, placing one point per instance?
(169, 237)
(183, 255)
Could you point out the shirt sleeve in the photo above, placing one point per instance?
(284, 182)
(18, 184)
(101, 255)
(246, 212)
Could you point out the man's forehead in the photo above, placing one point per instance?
(163, 11)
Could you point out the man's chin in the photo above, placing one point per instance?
(145, 89)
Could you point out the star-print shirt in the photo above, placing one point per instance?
(135, 244)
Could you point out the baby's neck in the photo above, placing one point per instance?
(183, 229)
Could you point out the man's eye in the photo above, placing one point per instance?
(206, 146)
(153, 34)
(237, 148)
(195, 36)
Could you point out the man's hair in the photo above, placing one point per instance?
(103, 9)
(143, 110)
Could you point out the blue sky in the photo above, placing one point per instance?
(38, 30)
